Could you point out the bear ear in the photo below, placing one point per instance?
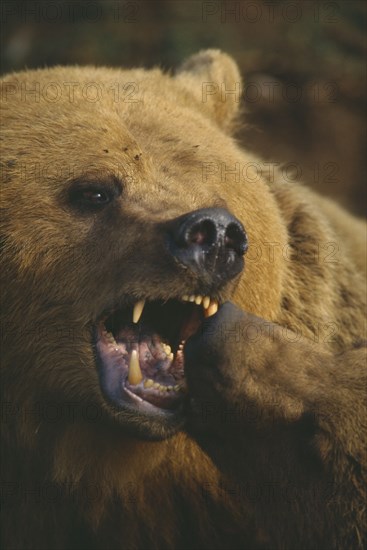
(213, 77)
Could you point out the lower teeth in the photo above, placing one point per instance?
(149, 383)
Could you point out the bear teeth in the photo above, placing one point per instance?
(110, 337)
(167, 349)
(135, 375)
(149, 383)
(138, 310)
(210, 305)
(212, 309)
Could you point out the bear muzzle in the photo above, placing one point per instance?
(139, 343)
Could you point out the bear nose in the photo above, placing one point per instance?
(210, 242)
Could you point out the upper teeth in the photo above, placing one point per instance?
(138, 310)
(212, 309)
(209, 304)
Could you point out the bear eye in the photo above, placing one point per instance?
(96, 197)
(92, 197)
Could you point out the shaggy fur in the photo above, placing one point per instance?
(294, 391)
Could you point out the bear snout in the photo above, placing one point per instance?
(210, 242)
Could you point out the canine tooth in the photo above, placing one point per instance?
(156, 385)
(198, 300)
(212, 309)
(135, 376)
(185, 298)
(138, 310)
(192, 298)
(163, 388)
(206, 302)
(169, 388)
(148, 383)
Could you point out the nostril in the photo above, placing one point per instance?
(235, 238)
(203, 232)
(209, 242)
(209, 228)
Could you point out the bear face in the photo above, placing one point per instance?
(126, 224)
(103, 190)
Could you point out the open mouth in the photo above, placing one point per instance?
(140, 352)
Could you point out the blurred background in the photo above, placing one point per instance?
(303, 63)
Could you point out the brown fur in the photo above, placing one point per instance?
(60, 270)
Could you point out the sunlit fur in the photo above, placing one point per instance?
(60, 269)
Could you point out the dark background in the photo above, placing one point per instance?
(303, 64)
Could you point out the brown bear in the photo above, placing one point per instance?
(183, 363)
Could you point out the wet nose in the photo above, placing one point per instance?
(210, 242)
